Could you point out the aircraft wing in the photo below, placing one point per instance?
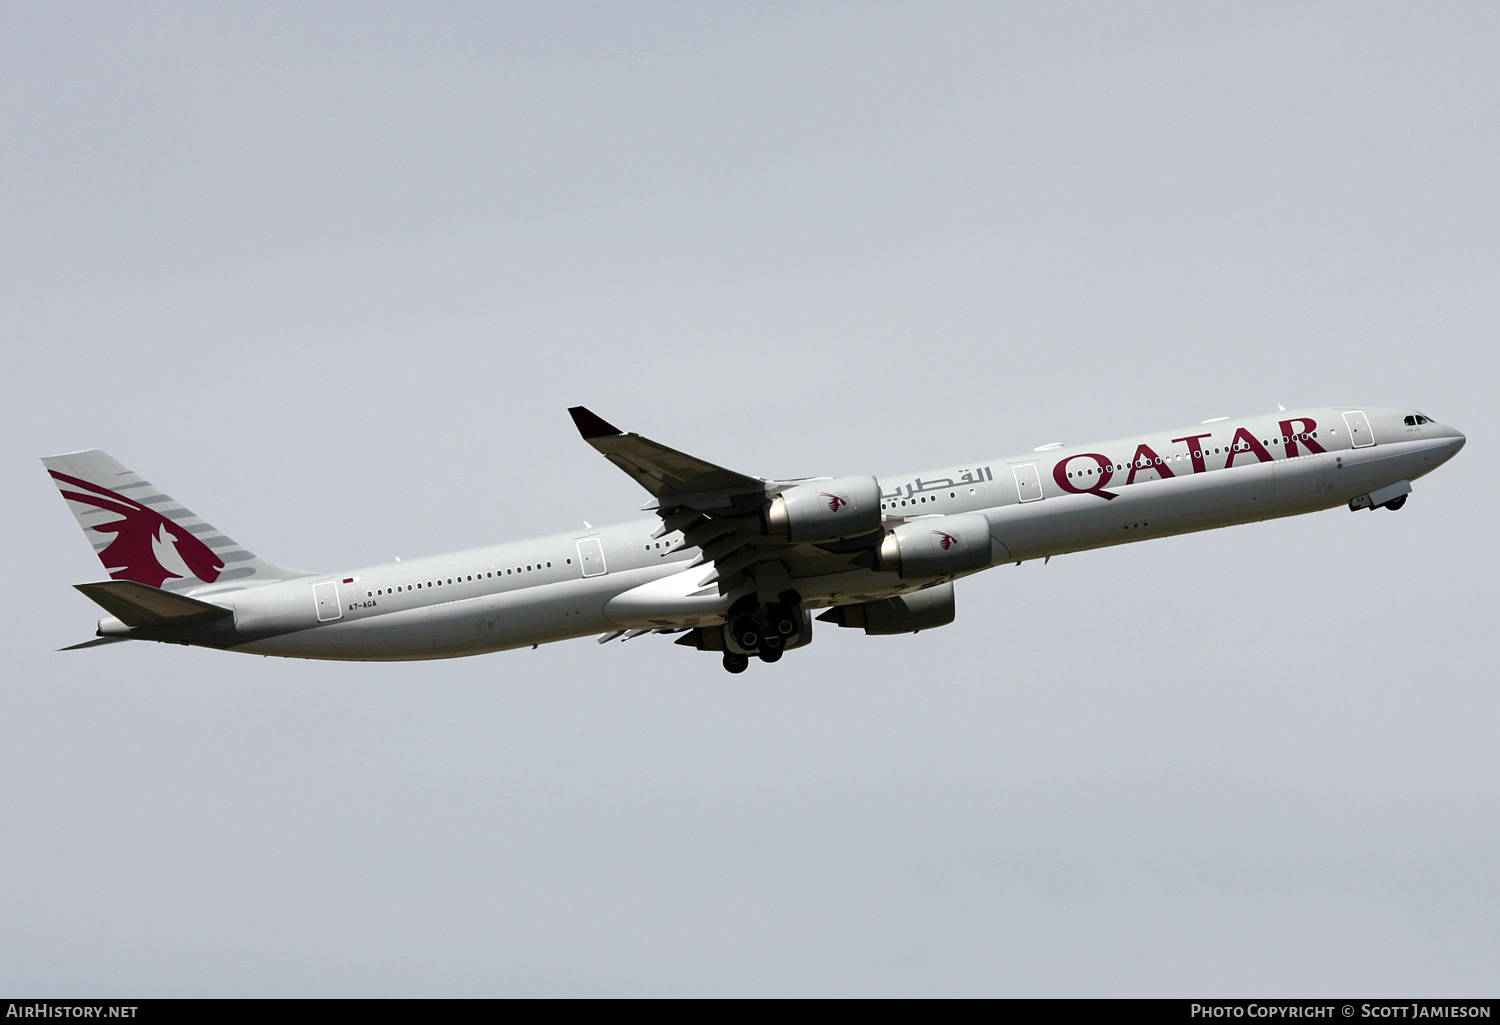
(673, 478)
(718, 511)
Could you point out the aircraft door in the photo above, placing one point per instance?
(1028, 482)
(1300, 478)
(326, 598)
(591, 556)
(1359, 429)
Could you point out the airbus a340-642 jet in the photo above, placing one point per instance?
(733, 563)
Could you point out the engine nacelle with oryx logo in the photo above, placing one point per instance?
(826, 510)
(936, 546)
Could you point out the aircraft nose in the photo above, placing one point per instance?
(1452, 443)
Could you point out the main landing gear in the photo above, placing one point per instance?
(755, 630)
(736, 663)
(771, 649)
(762, 630)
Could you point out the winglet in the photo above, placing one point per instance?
(591, 426)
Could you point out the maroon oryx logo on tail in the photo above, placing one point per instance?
(835, 502)
(945, 539)
(132, 554)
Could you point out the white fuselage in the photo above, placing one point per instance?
(1044, 503)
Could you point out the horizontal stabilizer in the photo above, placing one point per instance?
(94, 643)
(143, 605)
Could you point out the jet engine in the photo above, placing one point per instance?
(826, 510)
(904, 614)
(936, 546)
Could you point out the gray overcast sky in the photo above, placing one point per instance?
(330, 274)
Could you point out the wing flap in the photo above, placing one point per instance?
(143, 605)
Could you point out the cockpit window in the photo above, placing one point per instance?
(1413, 421)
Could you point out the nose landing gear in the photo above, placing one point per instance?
(1392, 497)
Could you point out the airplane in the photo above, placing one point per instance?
(734, 564)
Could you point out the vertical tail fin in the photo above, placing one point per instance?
(141, 534)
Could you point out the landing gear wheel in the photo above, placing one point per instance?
(771, 654)
(736, 663)
(745, 633)
(782, 620)
(1395, 503)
